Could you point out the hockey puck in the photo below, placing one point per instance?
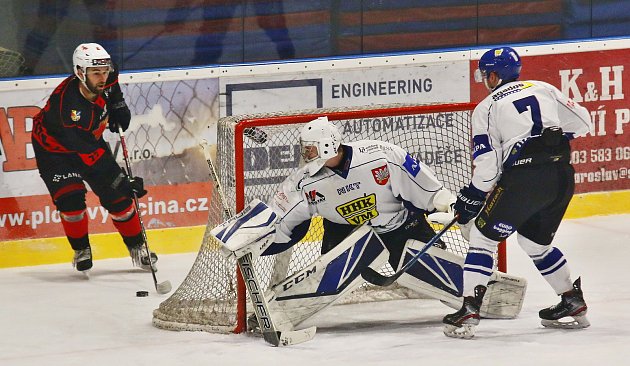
(142, 293)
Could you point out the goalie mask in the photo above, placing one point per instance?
(89, 55)
(504, 61)
(319, 141)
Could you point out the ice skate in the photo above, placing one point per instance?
(82, 259)
(571, 305)
(140, 258)
(462, 323)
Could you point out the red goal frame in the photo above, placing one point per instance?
(245, 123)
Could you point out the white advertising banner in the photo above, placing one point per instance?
(442, 82)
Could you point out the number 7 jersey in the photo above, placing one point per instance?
(513, 113)
(376, 181)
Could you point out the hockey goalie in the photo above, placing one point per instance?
(372, 197)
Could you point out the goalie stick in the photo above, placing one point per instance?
(375, 278)
(245, 264)
(164, 287)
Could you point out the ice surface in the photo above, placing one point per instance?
(51, 315)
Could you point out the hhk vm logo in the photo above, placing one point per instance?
(313, 197)
(381, 175)
(359, 210)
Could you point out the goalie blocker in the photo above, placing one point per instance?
(437, 274)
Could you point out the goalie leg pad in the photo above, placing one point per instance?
(327, 280)
(439, 274)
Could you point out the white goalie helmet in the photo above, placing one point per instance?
(89, 55)
(319, 141)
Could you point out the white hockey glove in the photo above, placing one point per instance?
(442, 218)
(251, 231)
(444, 200)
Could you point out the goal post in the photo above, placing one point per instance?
(254, 153)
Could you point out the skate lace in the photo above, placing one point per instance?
(81, 255)
(136, 255)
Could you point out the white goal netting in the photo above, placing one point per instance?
(212, 297)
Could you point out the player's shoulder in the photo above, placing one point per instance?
(300, 178)
(370, 151)
(65, 95)
(371, 147)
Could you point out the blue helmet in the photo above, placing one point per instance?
(502, 60)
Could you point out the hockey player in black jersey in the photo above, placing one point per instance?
(522, 183)
(70, 150)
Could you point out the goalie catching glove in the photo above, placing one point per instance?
(250, 231)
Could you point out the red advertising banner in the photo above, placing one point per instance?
(164, 207)
(163, 140)
(596, 80)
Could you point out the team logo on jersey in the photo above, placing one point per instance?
(313, 197)
(75, 115)
(503, 229)
(481, 145)
(381, 175)
(359, 210)
(412, 165)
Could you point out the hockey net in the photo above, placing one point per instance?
(256, 152)
(11, 63)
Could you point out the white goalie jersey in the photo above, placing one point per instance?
(375, 180)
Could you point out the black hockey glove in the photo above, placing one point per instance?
(469, 202)
(119, 115)
(129, 186)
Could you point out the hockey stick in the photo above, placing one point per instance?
(164, 287)
(252, 283)
(378, 279)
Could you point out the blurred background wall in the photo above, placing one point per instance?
(141, 34)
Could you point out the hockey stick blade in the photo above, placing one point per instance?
(164, 287)
(375, 278)
(292, 337)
